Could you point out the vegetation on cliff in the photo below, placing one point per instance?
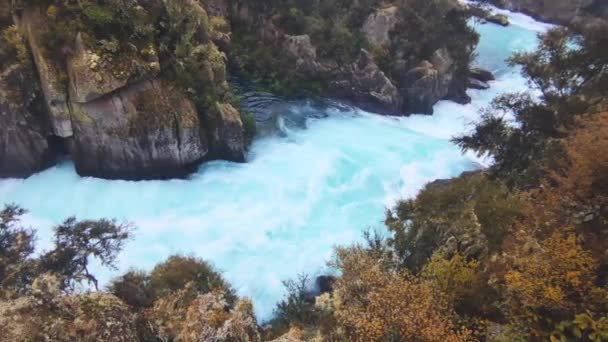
(418, 30)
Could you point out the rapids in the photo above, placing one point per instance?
(317, 176)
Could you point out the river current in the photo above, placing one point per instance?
(316, 177)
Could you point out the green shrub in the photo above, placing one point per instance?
(249, 124)
(467, 207)
(297, 308)
(98, 16)
(177, 271)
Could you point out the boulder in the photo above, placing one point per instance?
(24, 148)
(481, 74)
(428, 83)
(227, 135)
(499, 19)
(300, 47)
(148, 130)
(378, 26)
(478, 84)
(365, 84)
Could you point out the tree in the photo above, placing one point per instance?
(133, 288)
(297, 308)
(16, 246)
(77, 241)
(570, 71)
(177, 271)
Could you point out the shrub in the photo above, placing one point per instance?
(249, 124)
(454, 276)
(297, 308)
(98, 16)
(133, 288)
(471, 205)
(374, 303)
(177, 271)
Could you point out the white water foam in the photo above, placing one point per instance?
(299, 195)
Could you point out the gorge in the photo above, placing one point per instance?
(320, 174)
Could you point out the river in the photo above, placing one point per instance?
(316, 177)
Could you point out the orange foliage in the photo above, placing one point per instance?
(555, 276)
(374, 303)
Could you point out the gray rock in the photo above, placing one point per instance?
(226, 132)
(378, 26)
(364, 84)
(145, 131)
(24, 148)
(481, 74)
(33, 25)
(91, 76)
(428, 83)
(499, 19)
(478, 84)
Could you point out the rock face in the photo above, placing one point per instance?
(117, 116)
(33, 25)
(90, 76)
(148, 130)
(430, 82)
(557, 11)
(24, 148)
(378, 25)
(364, 83)
(226, 133)
(361, 82)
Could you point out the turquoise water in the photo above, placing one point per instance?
(313, 186)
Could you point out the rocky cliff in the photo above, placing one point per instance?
(117, 86)
(136, 89)
(389, 58)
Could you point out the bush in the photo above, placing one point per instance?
(249, 124)
(471, 205)
(98, 16)
(374, 303)
(133, 288)
(177, 271)
(297, 308)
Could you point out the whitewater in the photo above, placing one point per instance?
(319, 179)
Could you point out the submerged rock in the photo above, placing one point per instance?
(478, 84)
(499, 19)
(481, 74)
